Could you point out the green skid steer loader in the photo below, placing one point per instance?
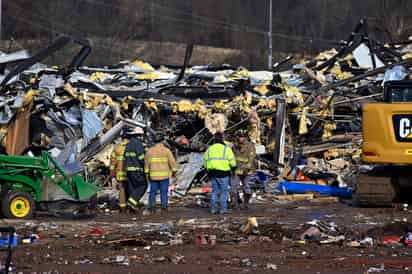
(28, 183)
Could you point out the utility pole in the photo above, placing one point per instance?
(1, 6)
(270, 40)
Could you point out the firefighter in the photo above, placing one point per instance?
(245, 153)
(219, 162)
(134, 164)
(117, 171)
(159, 166)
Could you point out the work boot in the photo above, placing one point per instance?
(148, 212)
(246, 201)
(228, 211)
(122, 210)
(234, 201)
(132, 210)
(132, 207)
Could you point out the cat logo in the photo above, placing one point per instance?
(402, 124)
(405, 129)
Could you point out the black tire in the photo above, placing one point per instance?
(23, 203)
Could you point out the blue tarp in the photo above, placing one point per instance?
(302, 188)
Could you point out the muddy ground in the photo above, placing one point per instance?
(118, 243)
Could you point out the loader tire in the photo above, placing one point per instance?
(18, 205)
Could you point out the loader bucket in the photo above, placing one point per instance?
(85, 190)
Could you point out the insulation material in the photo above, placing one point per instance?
(254, 127)
(216, 122)
(104, 155)
(303, 122)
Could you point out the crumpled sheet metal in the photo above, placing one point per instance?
(189, 166)
(395, 74)
(91, 126)
(49, 83)
(9, 106)
(14, 56)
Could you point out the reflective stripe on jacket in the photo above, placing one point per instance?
(219, 157)
(117, 166)
(134, 156)
(159, 163)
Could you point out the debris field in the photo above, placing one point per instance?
(304, 117)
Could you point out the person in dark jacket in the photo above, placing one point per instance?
(134, 165)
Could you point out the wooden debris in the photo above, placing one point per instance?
(296, 197)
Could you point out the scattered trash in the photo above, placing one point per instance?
(391, 240)
(271, 267)
(83, 261)
(312, 233)
(178, 259)
(205, 240)
(246, 262)
(250, 227)
(176, 242)
(33, 238)
(376, 269)
(160, 259)
(160, 243)
(95, 232)
(119, 259)
(408, 239)
(333, 239)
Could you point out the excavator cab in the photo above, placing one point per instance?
(398, 91)
(387, 145)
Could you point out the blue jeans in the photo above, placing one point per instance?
(219, 185)
(163, 186)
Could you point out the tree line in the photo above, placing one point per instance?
(299, 26)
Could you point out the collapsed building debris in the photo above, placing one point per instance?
(304, 118)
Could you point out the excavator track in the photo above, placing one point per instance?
(374, 190)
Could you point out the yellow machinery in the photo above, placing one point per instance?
(387, 144)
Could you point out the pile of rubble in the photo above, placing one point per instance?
(304, 118)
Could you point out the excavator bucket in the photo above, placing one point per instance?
(85, 189)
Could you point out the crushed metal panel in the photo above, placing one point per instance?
(48, 83)
(363, 55)
(279, 134)
(91, 126)
(98, 144)
(14, 56)
(188, 170)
